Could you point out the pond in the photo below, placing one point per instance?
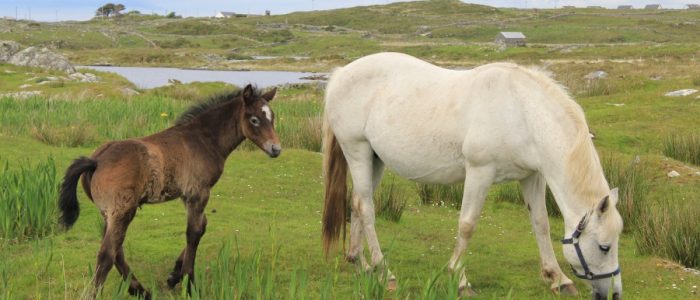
(152, 77)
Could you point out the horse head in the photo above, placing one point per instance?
(592, 249)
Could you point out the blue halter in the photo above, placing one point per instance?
(587, 272)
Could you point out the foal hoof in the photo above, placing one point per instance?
(391, 285)
(566, 289)
(173, 280)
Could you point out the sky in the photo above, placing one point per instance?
(52, 10)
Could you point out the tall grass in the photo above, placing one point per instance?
(512, 192)
(390, 199)
(28, 196)
(671, 229)
(90, 122)
(440, 195)
(683, 147)
(628, 176)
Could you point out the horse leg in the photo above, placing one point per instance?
(476, 185)
(115, 231)
(135, 287)
(176, 275)
(356, 231)
(534, 188)
(360, 159)
(196, 226)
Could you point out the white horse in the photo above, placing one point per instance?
(495, 123)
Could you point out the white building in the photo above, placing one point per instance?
(224, 14)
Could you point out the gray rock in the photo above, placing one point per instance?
(21, 95)
(129, 92)
(84, 77)
(596, 75)
(673, 174)
(681, 93)
(41, 58)
(8, 49)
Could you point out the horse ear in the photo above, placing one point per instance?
(248, 94)
(614, 196)
(270, 94)
(603, 205)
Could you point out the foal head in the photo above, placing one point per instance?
(592, 248)
(257, 120)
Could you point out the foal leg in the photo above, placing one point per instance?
(196, 226)
(356, 231)
(360, 159)
(115, 231)
(534, 188)
(476, 185)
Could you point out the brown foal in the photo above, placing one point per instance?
(185, 161)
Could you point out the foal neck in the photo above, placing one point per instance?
(219, 127)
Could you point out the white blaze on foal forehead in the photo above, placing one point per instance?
(268, 112)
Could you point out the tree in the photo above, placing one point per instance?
(118, 8)
(109, 10)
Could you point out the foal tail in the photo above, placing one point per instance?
(68, 200)
(335, 173)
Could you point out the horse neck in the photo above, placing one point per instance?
(219, 127)
(577, 182)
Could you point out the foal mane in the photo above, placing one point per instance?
(210, 102)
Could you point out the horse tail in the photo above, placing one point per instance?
(68, 200)
(335, 175)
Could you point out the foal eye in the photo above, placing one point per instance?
(604, 248)
(255, 121)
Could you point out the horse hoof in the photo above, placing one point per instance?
(351, 259)
(392, 285)
(173, 280)
(566, 289)
(466, 291)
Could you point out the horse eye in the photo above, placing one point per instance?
(255, 121)
(604, 248)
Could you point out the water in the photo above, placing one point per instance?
(147, 77)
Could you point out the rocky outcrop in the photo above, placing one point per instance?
(41, 58)
(8, 49)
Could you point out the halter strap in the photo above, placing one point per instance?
(573, 240)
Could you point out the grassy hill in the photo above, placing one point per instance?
(450, 32)
(264, 214)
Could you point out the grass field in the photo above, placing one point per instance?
(263, 240)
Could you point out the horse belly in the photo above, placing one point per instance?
(430, 162)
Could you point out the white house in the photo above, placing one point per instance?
(510, 39)
(224, 14)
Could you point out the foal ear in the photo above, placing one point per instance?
(248, 94)
(270, 94)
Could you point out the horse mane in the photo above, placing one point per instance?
(210, 102)
(584, 171)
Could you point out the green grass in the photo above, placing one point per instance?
(28, 192)
(683, 147)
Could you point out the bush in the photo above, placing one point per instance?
(28, 201)
(628, 176)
